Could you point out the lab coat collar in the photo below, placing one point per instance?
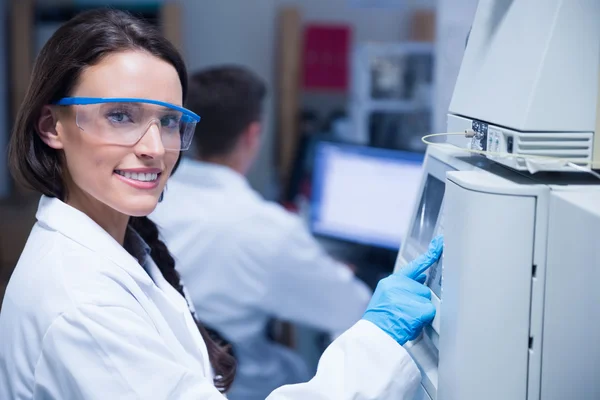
(207, 174)
(80, 228)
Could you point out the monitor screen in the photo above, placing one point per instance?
(428, 211)
(363, 194)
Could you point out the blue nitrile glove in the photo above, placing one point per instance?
(401, 304)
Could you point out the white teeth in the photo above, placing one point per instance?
(142, 177)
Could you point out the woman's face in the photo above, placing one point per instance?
(106, 177)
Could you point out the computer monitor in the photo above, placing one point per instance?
(363, 194)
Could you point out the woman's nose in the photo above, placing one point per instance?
(150, 144)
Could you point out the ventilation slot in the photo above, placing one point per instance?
(576, 147)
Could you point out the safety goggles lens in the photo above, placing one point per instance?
(126, 122)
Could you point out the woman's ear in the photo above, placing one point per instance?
(46, 128)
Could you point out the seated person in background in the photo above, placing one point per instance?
(245, 260)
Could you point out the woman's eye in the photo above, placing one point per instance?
(170, 121)
(118, 117)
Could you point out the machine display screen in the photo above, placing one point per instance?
(428, 212)
(424, 227)
(434, 278)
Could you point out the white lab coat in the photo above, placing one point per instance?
(245, 260)
(82, 319)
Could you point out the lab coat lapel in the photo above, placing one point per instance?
(179, 318)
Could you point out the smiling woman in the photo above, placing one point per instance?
(98, 134)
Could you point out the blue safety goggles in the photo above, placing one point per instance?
(124, 121)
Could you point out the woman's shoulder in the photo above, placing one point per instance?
(57, 272)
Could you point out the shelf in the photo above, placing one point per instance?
(392, 105)
(395, 49)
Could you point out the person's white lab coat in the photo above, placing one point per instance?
(245, 260)
(82, 319)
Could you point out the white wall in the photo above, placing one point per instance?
(454, 19)
(243, 32)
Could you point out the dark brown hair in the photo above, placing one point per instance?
(81, 42)
(229, 98)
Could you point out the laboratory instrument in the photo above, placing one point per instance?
(516, 305)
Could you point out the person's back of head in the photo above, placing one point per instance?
(229, 100)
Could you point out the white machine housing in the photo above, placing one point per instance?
(529, 81)
(519, 314)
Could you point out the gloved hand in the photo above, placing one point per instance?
(401, 304)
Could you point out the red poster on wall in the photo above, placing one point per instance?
(326, 57)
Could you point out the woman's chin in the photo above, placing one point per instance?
(140, 207)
